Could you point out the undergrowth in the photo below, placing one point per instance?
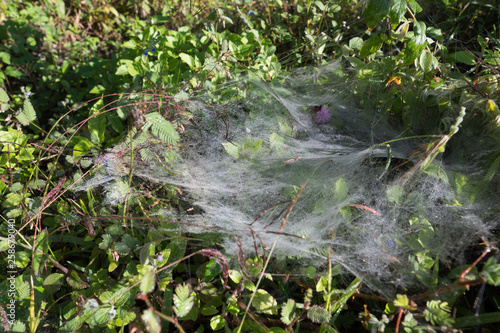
(130, 130)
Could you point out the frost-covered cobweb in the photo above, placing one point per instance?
(251, 147)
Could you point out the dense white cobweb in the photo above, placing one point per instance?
(245, 159)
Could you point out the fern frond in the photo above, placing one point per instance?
(318, 314)
(161, 128)
(183, 300)
(438, 313)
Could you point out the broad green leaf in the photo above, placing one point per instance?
(4, 98)
(122, 248)
(117, 298)
(419, 38)
(210, 270)
(152, 321)
(98, 89)
(235, 276)
(29, 110)
(60, 9)
(148, 282)
(41, 244)
(397, 11)
(80, 145)
(395, 194)
(371, 45)
(403, 301)
(97, 122)
(341, 190)
(187, 59)
(22, 259)
(491, 270)
(288, 312)
(483, 319)
(25, 154)
(376, 11)
(231, 149)
(414, 6)
(276, 142)
(75, 281)
(437, 172)
(265, 303)
(99, 317)
(217, 322)
(5, 57)
(461, 56)
(356, 43)
(28, 114)
(53, 282)
(425, 61)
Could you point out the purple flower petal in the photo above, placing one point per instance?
(323, 115)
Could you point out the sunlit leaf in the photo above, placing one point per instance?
(397, 11)
(371, 45)
(263, 302)
(183, 300)
(217, 322)
(148, 282)
(376, 11)
(53, 282)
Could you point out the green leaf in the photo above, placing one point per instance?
(481, 319)
(23, 290)
(231, 149)
(211, 270)
(288, 312)
(183, 300)
(426, 61)
(414, 6)
(25, 154)
(41, 244)
(276, 142)
(187, 59)
(27, 115)
(75, 281)
(97, 122)
(397, 11)
(152, 321)
(98, 89)
(80, 145)
(356, 43)
(376, 11)
(161, 128)
(461, 56)
(437, 172)
(217, 322)
(53, 282)
(403, 301)
(438, 313)
(491, 271)
(371, 45)
(395, 194)
(148, 282)
(122, 248)
(318, 314)
(417, 42)
(341, 190)
(4, 98)
(263, 302)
